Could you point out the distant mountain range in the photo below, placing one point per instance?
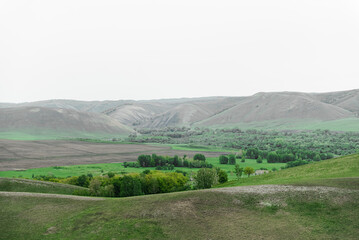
(263, 110)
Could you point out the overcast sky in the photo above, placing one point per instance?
(98, 50)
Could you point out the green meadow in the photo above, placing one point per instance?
(103, 168)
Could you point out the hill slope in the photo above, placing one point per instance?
(273, 106)
(60, 122)
(25, 185)
(341, 167)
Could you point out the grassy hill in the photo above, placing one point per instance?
(25, 185)
(255, 212)
(342, 167)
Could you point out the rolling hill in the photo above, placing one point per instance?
(317, 205)
(274, 110)
(58, 122)
(273, 106)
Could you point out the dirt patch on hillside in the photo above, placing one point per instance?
(15, 155)
(271, 189)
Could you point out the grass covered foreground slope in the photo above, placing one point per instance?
(25, 185)
(248, 212)
(341, 167)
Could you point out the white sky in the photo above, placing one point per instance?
(97, 50)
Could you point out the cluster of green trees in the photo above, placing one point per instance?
(82, 181)
(289, 145)
(230, 159)
(133, 184)
(208, 177)
(166, 162)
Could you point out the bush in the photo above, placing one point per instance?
(83, 181)
(222, 176)
(223, 159)
(232, 159)
(95, 187)
(206, 178)
(248, 171)
(199, 157)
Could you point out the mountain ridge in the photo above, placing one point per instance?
(216, 111)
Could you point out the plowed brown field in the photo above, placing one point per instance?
(34, 154)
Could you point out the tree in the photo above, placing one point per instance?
(199, 156)
(259, 159)
(144, 160)
(273, 157)
(83, 181)
(232, 159)
(222, 176)
(252, 153)
(95, 187)
(238, 170)
(223, 159)
(248, 171)
(206, 178)
(130, 186)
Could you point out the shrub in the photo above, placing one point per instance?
(199, 157)
(95, 187)
(232, 159)
(223, 159)
(222, 176)
(238, 170)
(206, 178)
(248, 171)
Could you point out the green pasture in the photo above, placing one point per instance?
(103, 168)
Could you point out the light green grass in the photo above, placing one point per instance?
(25, 185)
(342, 167)
(190, 147)
(103, 168)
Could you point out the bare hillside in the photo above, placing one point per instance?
(348, 100)
(58, 120)
(208, 111)
(188, 113)
(273, 106)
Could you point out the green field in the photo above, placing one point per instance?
(191, 147)
(103, 168)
